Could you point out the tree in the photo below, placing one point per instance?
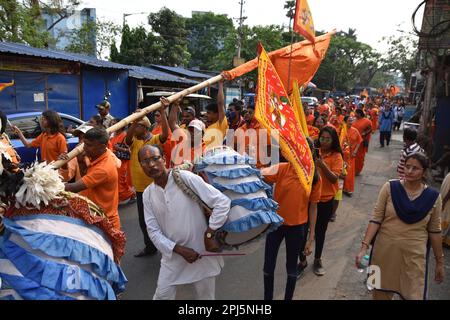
(207, 36)
(401, 55)
(21, 21)
(93, 38)
(138, 47)
(348, 63)
(171, 27)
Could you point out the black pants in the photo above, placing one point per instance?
(398, 123)
(324, 213)
(294, 236)
(140, 206)
(385, 135)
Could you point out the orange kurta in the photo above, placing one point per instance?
(374, 118)
(353, 139)
(362, 125)
(125, 185)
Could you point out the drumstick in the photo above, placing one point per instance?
(221, 254)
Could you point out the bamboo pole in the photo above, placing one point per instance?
(138, 115)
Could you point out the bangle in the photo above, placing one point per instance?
(365, 243)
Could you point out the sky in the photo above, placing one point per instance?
(371, 19)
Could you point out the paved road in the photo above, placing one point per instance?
(242, 277)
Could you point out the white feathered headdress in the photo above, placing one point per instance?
(41, 184)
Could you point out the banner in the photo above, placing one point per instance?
(274, 112)
(6, 85)
(298, 108)
(303, 21)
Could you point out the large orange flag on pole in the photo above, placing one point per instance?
(304, 62)
(274, 112)
(303, 21)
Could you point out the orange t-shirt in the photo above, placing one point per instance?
(102, 184)
(51, 145)
(335, 163)
(290, 194)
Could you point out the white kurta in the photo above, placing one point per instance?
(173, 218)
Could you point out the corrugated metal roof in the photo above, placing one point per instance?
(153, 74)
(183, 71)
(21, 49)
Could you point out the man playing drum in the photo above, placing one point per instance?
(177, 226)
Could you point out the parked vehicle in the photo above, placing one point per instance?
(310, 100)
(28, 123)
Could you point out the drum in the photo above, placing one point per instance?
(64, 250)
(253, 212)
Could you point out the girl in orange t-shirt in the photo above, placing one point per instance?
(330, 164)
(52, 141)
(297, 208)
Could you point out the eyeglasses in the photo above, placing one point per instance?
(148, 161)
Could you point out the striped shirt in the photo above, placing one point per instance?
(406, 152)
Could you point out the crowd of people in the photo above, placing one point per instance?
(134, 164)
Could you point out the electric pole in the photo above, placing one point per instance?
(238, 61)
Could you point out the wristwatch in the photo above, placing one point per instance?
(209, 235)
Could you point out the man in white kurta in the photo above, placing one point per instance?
(175, 222)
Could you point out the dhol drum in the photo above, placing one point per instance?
(63, 249)
(253, 212)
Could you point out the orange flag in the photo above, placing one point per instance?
(303, 21)
(6, 85)
(304, 62)
(274, 112)
(298, 108)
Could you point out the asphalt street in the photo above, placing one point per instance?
(242, 276)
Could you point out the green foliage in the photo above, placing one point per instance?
(171, 27)
(207, 37)
(348, 63)
(138, 47)
(401, 55)
(93, 38)
(21, 21)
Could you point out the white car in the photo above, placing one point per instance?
(310, 100)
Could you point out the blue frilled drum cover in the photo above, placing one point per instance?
(253, 212)
(64, 250)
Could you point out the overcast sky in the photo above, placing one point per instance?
(371, 19)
